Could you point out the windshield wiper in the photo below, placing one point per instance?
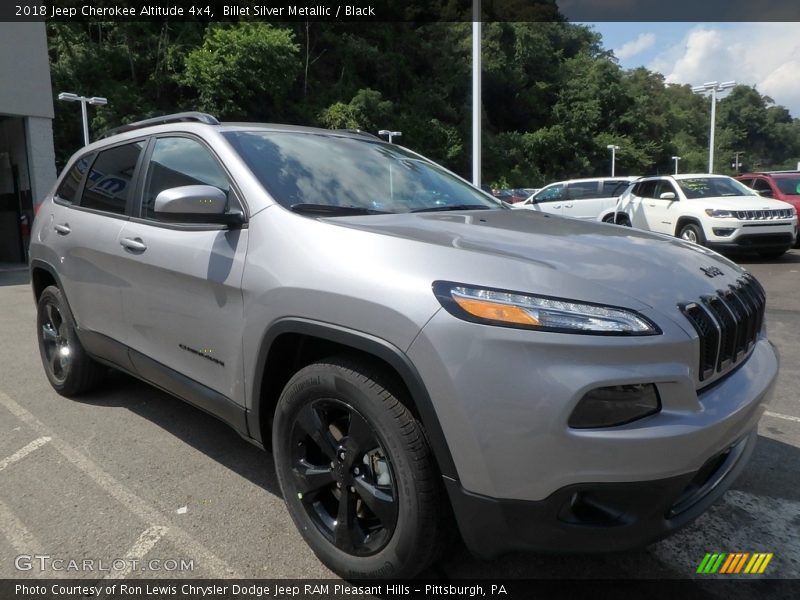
(332, 210)
(453, 207)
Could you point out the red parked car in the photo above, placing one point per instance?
(780, 185)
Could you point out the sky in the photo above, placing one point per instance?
(764, 55)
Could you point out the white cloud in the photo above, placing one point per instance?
(766, 55)
(637, 46)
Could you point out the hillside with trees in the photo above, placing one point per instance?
(553, 97)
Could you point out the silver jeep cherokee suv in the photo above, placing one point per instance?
(409, 350)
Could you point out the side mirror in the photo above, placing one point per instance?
(667, 196)
(195, 204)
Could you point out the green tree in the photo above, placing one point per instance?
(244, 70)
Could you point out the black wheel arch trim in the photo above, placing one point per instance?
(369, 344)
(38, 263)
(686, 220)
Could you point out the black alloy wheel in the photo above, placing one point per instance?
(344, 477)
(69, 369)
(356, 472)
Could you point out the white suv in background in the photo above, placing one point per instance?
(710, 210)
(591, 199)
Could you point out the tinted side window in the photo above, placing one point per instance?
(550, 194)
(612, 189)
(646, 189)
(583, 189)
(761, 185)
(662, 187)
(176, 162)
(69, 185)
(110, 180)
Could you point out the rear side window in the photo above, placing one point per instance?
(176, 162)
(72, 180)
(108, 187)
(612, 189)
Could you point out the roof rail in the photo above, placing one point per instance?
(360, 132)
(184, 117)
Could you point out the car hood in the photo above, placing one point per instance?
(620, 262)
(742, 203)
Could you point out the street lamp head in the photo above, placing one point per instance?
(612, 147)
(98, 101)
(676, 158)
(69, 97)
(726, 85)
(384, 132)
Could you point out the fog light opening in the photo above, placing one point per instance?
(723, 231)
(615, 405)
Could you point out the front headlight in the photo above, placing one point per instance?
(720, 213)
(526, 311)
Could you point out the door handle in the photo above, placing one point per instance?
(62, 229)
(568, 206)
(134, 245)
(556, 206)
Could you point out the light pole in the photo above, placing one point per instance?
(713, 87)
(389, 134)
(737, 164)
(613, 149)
(95, 100)
(476, 92)
(676, 159)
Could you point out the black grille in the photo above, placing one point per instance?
(727, 324)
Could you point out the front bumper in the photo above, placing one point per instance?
(525, 479)
(596, 517)
(752, 236)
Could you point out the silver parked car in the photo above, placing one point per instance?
(413, 353)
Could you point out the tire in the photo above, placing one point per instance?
(771, 254)
(70, 370)
(622, 219)
(693, 233)
(608, 218)
(347, 450)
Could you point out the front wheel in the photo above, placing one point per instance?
(356, 472)
(692, 233)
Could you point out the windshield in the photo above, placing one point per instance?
(339, 176)
(713, 187)
(789, 185)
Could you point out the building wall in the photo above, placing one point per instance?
(25, 71)
(27, 157)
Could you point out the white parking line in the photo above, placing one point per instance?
(23, 452)
(780, 416)
(22, 540)
(217, 568)
(139, 550)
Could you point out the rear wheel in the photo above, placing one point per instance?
(356, 472)
(621, 219)
(68, 368)
(692, 233)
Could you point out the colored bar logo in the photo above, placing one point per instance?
(734, 563)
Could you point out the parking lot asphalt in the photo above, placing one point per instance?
(130, 472)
